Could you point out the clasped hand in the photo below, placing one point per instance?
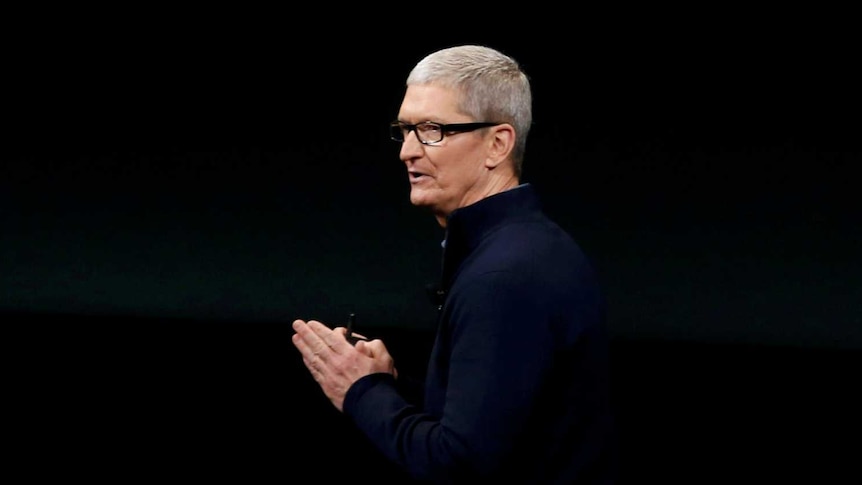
(336, 364)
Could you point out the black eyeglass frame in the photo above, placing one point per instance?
(397, 129)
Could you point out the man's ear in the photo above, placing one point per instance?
(501, 144)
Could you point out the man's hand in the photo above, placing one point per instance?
(333, 362)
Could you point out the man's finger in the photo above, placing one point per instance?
(310, 344)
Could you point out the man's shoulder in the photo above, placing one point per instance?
(529, 243)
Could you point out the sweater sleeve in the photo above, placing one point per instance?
(501, 353)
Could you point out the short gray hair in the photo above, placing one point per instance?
(492, 87)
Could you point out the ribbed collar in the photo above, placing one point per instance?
(467, 226)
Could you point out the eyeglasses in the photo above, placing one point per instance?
(429, 133)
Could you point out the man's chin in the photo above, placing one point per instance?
(418, 200)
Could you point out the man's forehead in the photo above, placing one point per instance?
(428, 102)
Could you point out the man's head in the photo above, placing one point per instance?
(487, 97)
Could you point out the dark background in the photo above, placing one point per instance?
(172, 197)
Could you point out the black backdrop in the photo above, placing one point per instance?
(170, 202)
(712, 183)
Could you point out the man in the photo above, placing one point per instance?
(516, 388)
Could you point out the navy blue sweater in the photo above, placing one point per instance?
(517, 383)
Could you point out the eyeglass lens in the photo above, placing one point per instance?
(426, 132)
